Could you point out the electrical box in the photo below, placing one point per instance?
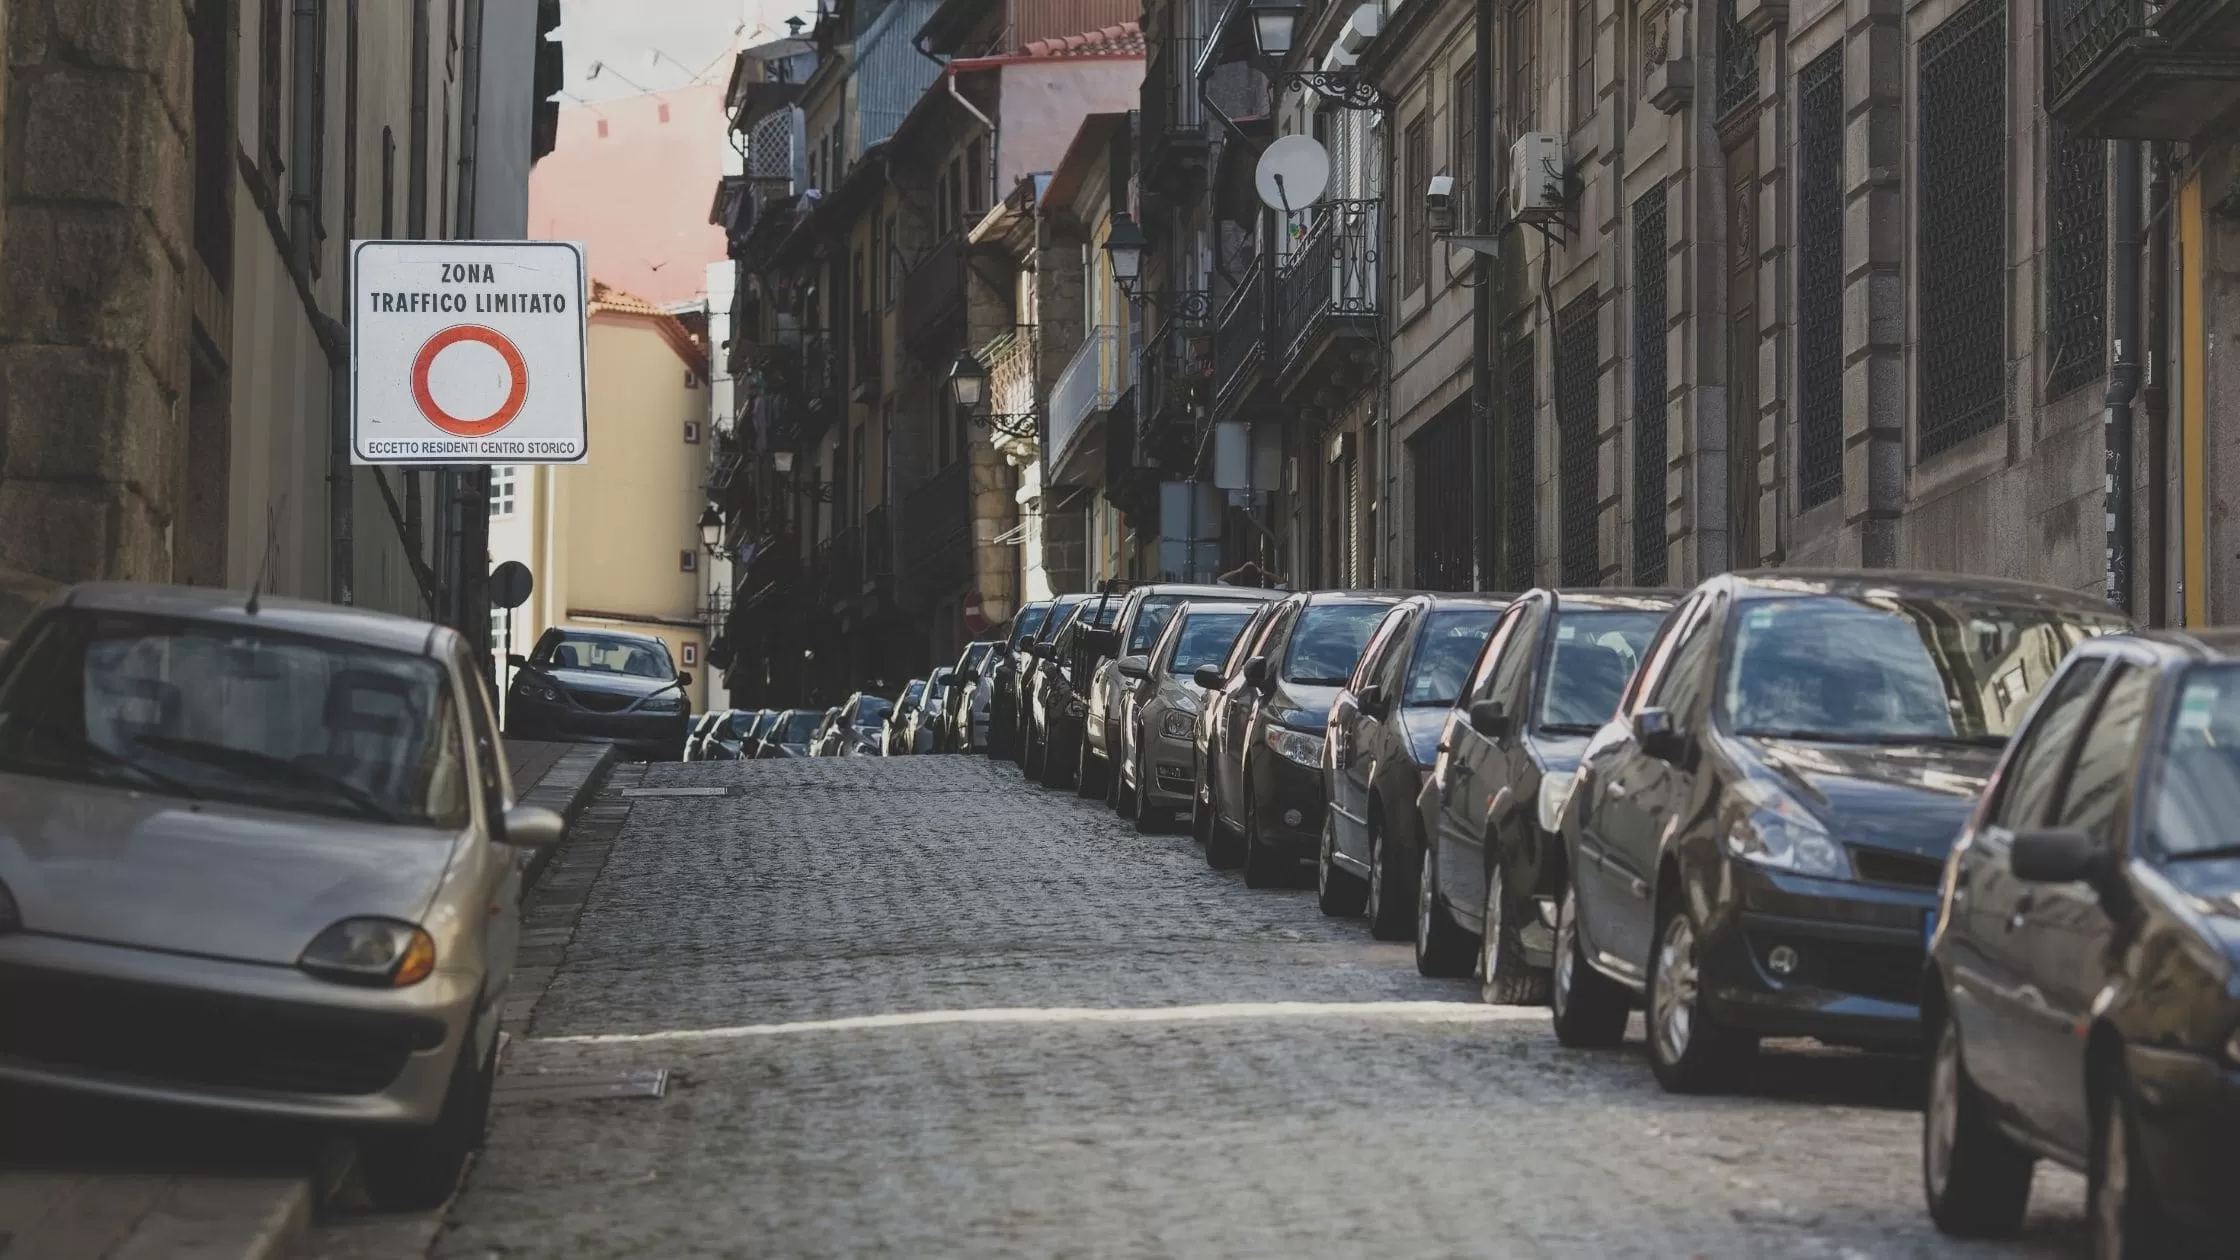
(1536, 177)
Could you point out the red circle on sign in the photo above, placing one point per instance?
(516, 368)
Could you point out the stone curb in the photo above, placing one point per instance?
(567, 788)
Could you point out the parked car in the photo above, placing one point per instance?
(601, 687)
(1264, 773)
(1059, 700)
(2080, 996)
(1040, 658)
(972, 705)
(894, 739)
(1213, 707)
(1143, 614)
(260, 857)
(1753, 844)
(923, 733)
(793, 733)
(1009, 662)
(856, 728)
(1384, 730)
(1159, 710)
(696, 738)
(733, 738)
(1547, 681)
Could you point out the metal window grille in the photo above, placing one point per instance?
(1583, 83)
(1738, 62)
(1962, 226)
(1649, 325)
(1523, 38)
(1820, 279)
(1349, 482)
(1415, 258)
(1577, 443)
(1519, 517)
(1440, 454)
(2077, 271)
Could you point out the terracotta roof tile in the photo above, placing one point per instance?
(1124, 40)
(609, 300)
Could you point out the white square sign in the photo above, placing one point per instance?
(467, 352)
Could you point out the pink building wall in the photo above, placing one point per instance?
(1045, 101)
(632, 179)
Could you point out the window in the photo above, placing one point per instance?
(1596, 654)
(1415, 256)
(2198, 792)
(1820, 279)
(1583, 84)
(2077, 269)
(690, 654)
(1380, 646)
(975, 177)
(1329, 642)
(876, 276)
(388, 183)
(501, 489)
(2028, 786)
(1579, 453)
(1961, 233)
(307, 184)
(2096, 789)
(271, 79)
(1649, 326)
(214, 144)
(691, 427)
(956, 195)
(1464, 108)
(1444, 651)
(1522, 35)
(1490, 668)
(887, 269)
(1685, 682)
(941, 224)
(688, 562)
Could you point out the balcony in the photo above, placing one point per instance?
(1239, 339)
(801, 390)
(1010, 360)
(936, 543)
(1083, 392)
(1175, 379)
(1327, 324)
(1174, 118)
(933, 302)
(2114, 73)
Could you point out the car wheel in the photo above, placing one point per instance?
(1264, 865)
(1224, 846)
(1115, 784)
(1056, 772)
(1590, 1008)
(416, 1169)
(1338, 893)
(1036, 752)
(1976, 1180)
(2128, 1221)
(1085, 784)
(1504, 977)
(1149, 819)
(1442, 949)
(1389, 905)
(1690, 1051)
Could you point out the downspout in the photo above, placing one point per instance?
(2156, 396)
(2123, 370)
(341, 476)
(1484, 343)
(995, 138)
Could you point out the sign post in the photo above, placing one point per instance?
(467, 352)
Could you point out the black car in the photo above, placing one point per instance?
(1383, 736)
(1143, 614)
(600, 687)
(696, 736)
(1213, 708)
(791, 733)
(1003, 686)
(2082, 998)
(1058, 696)
(970, 702)
(1264, 773)
(1547, 681)
(734, 738)
(1034, 657)
(1753, 844)
(894, 727)
(854, 729)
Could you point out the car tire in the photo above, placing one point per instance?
(1056, 771)
(1030, 763)
(1590, 1008)
(1224, 846)
(2128, 1220)
(1390, 902)
(1339, 893)
(416, 1169)
(1976, 1180)
(1690, 1051)
(1504, 977)
(1442, 950)
(1264, 865)
(1149, 819)
(1115, 785)
(1085, 782)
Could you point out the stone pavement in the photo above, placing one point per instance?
(914, 1007)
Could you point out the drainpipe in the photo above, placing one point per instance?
(1485, 340)
(2123, 370)
(995, 139)
(2156, 396)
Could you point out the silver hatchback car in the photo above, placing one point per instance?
(260, 858)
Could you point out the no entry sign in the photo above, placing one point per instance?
(467, 352)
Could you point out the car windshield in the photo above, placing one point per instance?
(2197, 794)
(1029, 621)
(872, 710)
(1882, 669)
(1596, 653)
(242, 714)
(1151, 618)
(1205, 639)
(1102, 613)
(977, 655)
(1445, 651)
(915, 692)
(745, 724)
(1328, 642)
(799, 727)
(599, 654)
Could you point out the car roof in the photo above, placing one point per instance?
(1214, 591)
(230, 608)
(1451, 599)
(2207, 644)
(1760, 583)
(1628, 598)
(1318, 598)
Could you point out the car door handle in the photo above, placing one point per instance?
(2023, 905)
(1616, 791)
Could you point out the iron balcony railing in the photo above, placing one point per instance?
(1238, 337)
(1177, 367)
(1332, 273)
(2081, 32)
(1173, 112)
(1086, 387)
(1010, 360)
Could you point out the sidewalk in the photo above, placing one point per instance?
(103, 1204)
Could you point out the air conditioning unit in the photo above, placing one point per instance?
(1361, 29)
(1536, 177)
(1338, 59)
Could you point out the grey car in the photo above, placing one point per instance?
(1142, 616)
(1158, 770)
(260, 858)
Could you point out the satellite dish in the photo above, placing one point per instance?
(1292, 174)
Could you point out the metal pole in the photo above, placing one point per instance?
(2123, 367)
(2156, 397)
(1483, 337)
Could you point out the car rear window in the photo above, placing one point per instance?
(1445, 651)
(1328, 642)
(1151, 618)
(1596, 653)
(1030, 620)
(800, 728)
(871, 710)
(1206, 638)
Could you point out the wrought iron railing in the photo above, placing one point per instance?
(1012, 361)
(1087, 386)
(1578, 444)
(1238, 336)
(1738, 63)
(1962, 231)
(1650, 316)
(1820, 279)
(1177, 366)
(1332, 272)
(2080, 32)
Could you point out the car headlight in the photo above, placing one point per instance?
(1299, 746)
(11, 918)
(534, 690)
(1776, 831)
(1555, 791)
(667, 703)
(380, 952)
(1178, 725)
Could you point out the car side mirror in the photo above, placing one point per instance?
(1209, 677)
(2055, 856)
(516, 659)
(1102, 643)
(533, 827)
(1138, 667)
(1369, 700)
(684, 678)
(1490, 718)
(1256, 673)
(1659, 736)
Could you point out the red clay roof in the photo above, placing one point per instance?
(609, 300)
(1124, 40)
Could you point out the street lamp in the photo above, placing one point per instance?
(968, 381)
(711, 530)
(1125, 244)
(782, 463)
(1273, 23)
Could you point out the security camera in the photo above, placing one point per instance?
(1439, 209)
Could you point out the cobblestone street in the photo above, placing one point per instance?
(913, 1007)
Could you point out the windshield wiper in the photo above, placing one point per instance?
(2196, 855)
(80, 744)
(1569, 728)
(260, 766)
